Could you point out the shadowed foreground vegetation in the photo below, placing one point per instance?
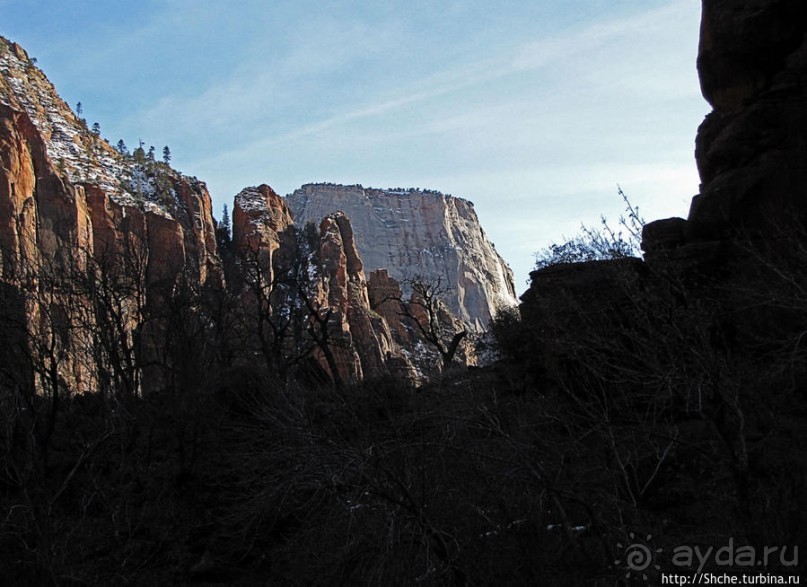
(626, 399)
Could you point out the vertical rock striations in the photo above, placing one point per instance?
(419, 234)
(316, 273)
(108, 259)
(74, 211)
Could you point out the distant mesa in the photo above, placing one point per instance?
(419, 233)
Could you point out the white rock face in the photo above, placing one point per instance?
(419, 234)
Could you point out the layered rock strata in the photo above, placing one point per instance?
(73, 211)
(103, 253)
(316, 273)
(422, 235)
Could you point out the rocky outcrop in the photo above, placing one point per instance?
(416, 234)
(744, 46)
(365, 341)
(109, 259)
(750, 149)
(318, 275)
(74, 213)
(260, 217)
(261, 223)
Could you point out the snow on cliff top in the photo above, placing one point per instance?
(250, 199)
(81, 155)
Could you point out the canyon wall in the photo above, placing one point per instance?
(109, 258)
(741, 246)
(423, 235)
(750, 150)
(76, 213)
(317, 274)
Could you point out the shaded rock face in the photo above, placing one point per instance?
(72, 210)
(708, 328)
(409, 315)
(744, 45)
(750, 150)
(365, 340)
(419, 234)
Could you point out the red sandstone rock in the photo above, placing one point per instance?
(63, 204)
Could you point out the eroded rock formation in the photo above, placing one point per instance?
(111, 262)
(416, 234)
(316, 273)
(750, 218)
(75, 211)
(750, 150)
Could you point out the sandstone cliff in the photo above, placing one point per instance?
(419, 234)
(314, 286)
(752, 64)
(73, 210)
(742, 240)
(108, 259)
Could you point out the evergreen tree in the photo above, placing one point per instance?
(151, 153)
(223, 234)
(96, 129)
(167, 157)
(79, 109)
(122, 148)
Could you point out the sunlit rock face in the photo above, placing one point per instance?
(366, 344)
(77, 214)
(318, 274)
(261, 223)
(417, 234)
(107, 189)
(72, 207)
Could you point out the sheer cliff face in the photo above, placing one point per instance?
(752, 64)
(96, 244)
(750, 150)
(318, 275)
(261, 223)
(419, 234)
(169, 209)
(71, 206)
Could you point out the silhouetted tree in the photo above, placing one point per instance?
(431, 318)
(223, 229)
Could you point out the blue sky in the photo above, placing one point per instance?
(533, 109)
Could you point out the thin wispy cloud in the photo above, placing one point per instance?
(532, 110)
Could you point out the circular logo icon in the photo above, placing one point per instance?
(638, 556)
